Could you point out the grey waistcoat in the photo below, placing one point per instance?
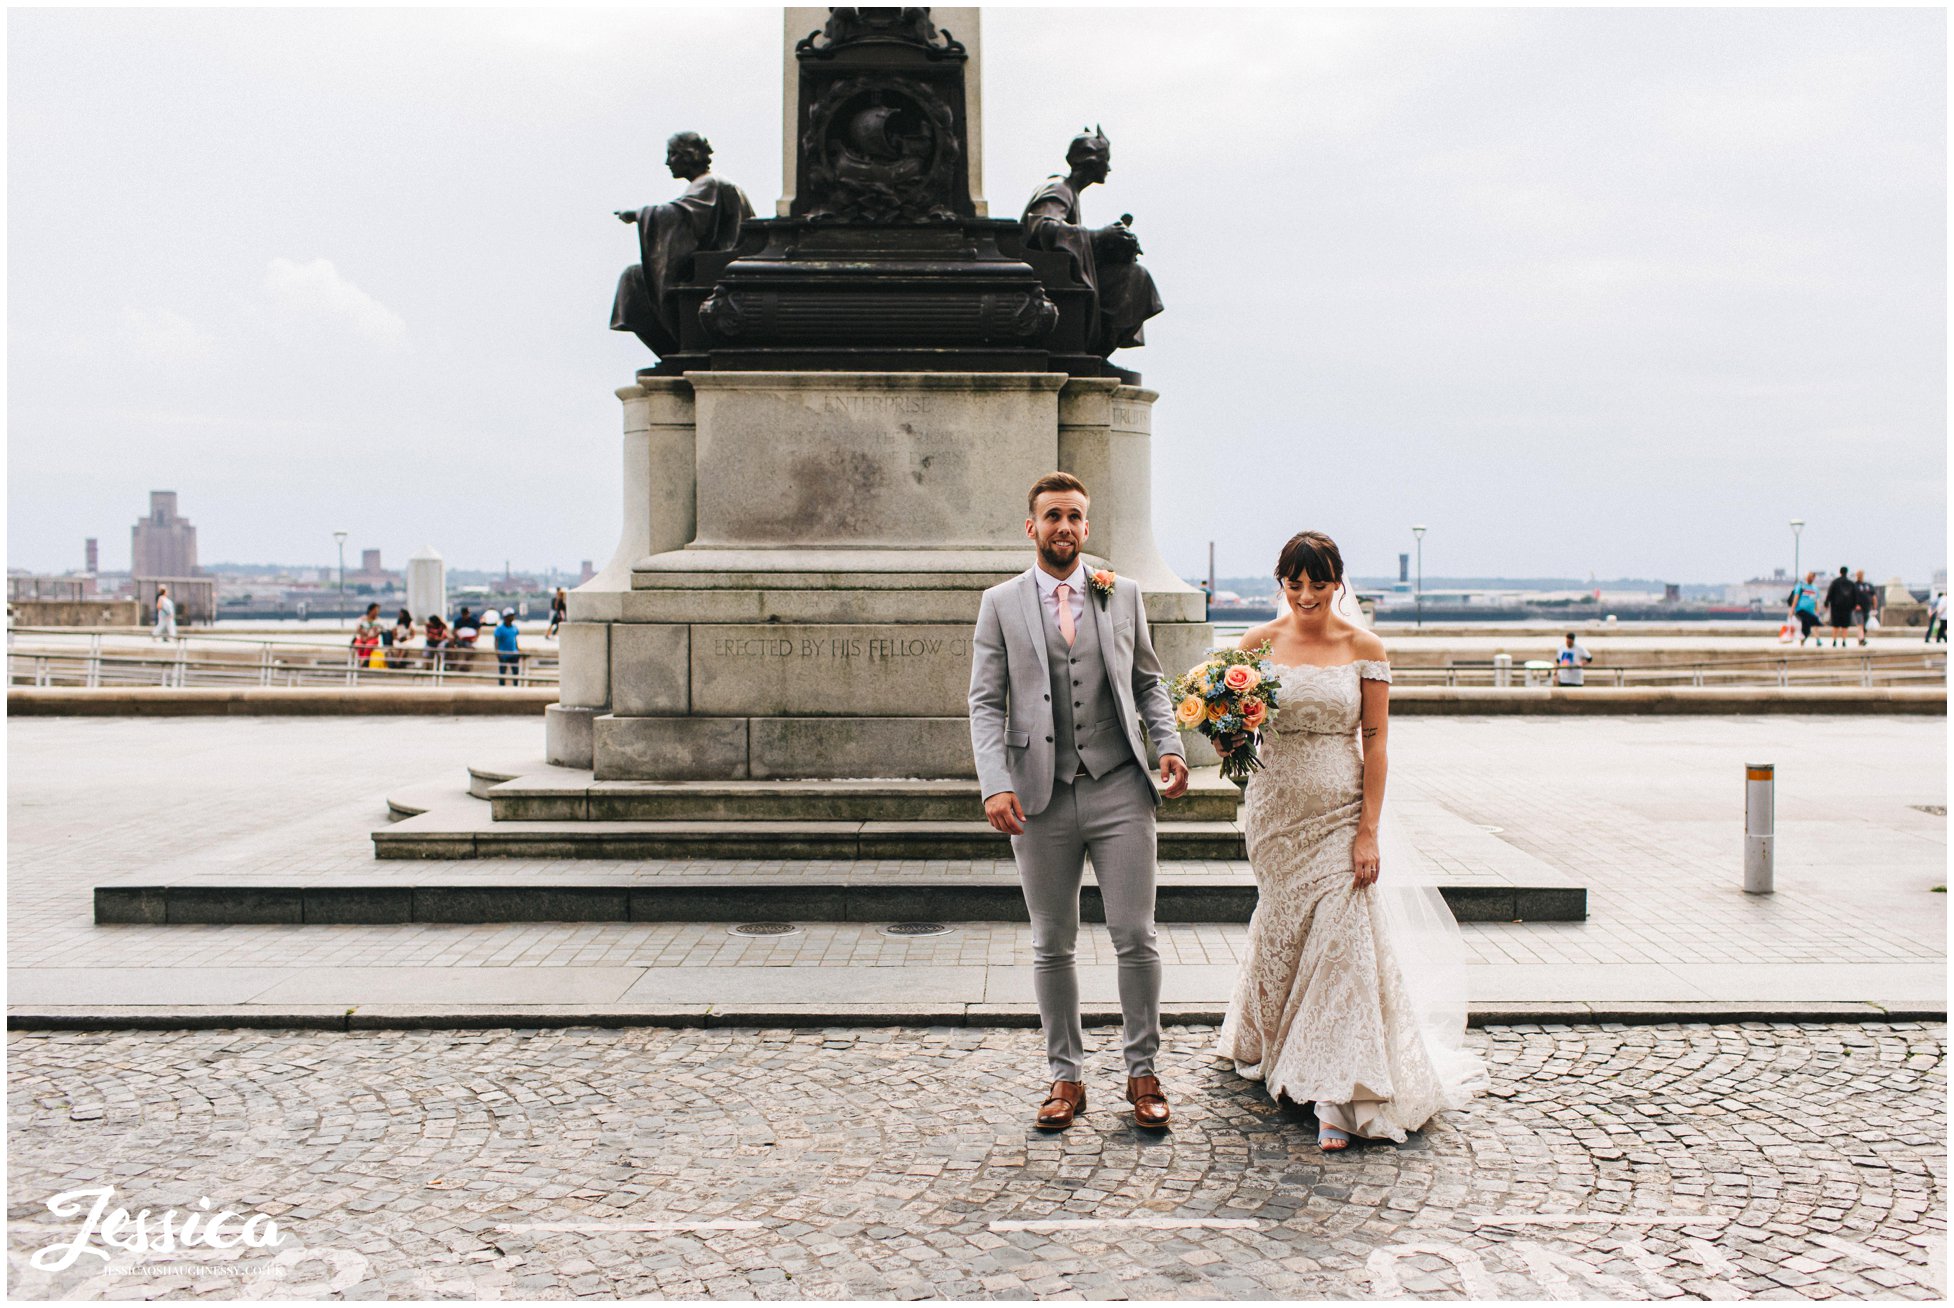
(1085, 717)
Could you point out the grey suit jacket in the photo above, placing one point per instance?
(1011, 692)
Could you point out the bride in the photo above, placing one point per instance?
(1351, 993)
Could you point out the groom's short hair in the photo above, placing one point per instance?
(1054, 481)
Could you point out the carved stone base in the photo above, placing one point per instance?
(808, 614)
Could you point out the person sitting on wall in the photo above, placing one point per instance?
(437, 638)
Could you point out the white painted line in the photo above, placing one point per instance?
(631, 1226)
(1140, 1223)
(1597, 1219)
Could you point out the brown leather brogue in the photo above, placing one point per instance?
(1067, 1101)
(1149, 1104)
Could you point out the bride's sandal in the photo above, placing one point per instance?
(1331, 1140)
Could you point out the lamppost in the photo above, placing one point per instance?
(1797, 527)
(339, 538)
(1419, 534)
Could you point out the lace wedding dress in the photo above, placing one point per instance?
(1353, 999)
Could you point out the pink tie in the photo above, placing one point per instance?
(1066, 627)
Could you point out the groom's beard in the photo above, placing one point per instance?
(1059, 555)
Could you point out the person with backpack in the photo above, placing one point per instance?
(1841, 597)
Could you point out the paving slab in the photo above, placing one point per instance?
(807, 985)
(179, 987)
(442, 985)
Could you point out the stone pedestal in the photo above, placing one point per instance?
(801, 562)
(1898, 607)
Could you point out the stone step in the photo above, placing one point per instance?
(986, 892)
(565, 795)
(436, 835)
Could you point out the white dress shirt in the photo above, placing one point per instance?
(1048, 593)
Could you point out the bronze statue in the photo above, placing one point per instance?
(1104, 258)
(706, 217)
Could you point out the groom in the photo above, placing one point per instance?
(1067, 776)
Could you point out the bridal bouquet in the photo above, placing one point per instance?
(1228, 699)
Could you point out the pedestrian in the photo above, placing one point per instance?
(165, 615)
(1803, 600)
(507, 656)
(366, 637)
(559, 610)
(1571, 658)
(467, 627)
(1841, 597)
(1937, 618)
(1865, 610)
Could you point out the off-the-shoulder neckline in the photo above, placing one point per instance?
(1325, 667)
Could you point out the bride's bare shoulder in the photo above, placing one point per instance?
(1256, 635)
(1367, 645)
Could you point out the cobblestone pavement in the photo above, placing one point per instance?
(1647, 812)
(1751, 1161)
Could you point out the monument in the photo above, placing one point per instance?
(825, 464)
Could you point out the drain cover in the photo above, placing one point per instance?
(764, 929)
(916, 929)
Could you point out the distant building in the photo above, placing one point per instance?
(369, 562)
(163, 544)
(27, 586)
(1404, 568)
(587, 573)
(91, 556)
(1761, 592)
(195, 598)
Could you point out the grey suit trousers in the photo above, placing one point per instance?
(1112, 819)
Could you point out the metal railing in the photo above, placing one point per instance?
(1886, 668)
(39, 656)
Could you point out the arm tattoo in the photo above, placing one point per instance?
(1369, 732)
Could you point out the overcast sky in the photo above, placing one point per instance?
(1609, 291)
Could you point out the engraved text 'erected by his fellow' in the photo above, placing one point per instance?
(876, 649)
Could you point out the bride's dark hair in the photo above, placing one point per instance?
(1310, 554)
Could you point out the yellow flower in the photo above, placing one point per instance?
(1190, 711)
(1217, 711)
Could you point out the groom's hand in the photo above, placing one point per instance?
(1173, 776)
(1004, 813)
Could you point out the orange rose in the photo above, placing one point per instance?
(1217, 711)
(1103, 578)
(1254, 713)
(1241, 678)
(1190, 711)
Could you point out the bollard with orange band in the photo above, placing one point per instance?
(1760, 826)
